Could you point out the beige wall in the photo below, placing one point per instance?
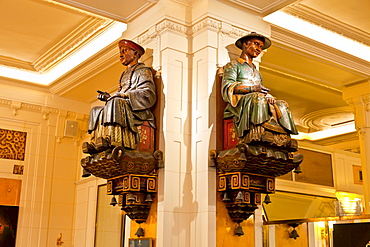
(47, 192)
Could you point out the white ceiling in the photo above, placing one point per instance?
(36, 35)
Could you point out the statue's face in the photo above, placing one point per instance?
(128, 56)
(253, 47)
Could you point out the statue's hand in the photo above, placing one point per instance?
(264, 90)
(270, 99)
(119, 95)
(103, 96)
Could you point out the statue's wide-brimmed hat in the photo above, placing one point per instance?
(266, 41)
(131, 44)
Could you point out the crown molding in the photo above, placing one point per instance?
(15, 104)
(84, 33)
(327, 22)
(23, 84)
(296, 76)
(169, 25)
(16, 63)
(269, 8)
(79, 75)
(110, 15)
(317, 49)
(141, 10)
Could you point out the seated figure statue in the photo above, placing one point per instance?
(257, 115)
(115, 124)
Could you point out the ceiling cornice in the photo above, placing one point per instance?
(96, 64)
(23, 84)
(293, 75)
(16, 63)
(327, 22)
(266, 10)
(108, 14)
(84, 33)
(317, 49)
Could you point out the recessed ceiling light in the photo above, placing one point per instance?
(97, 44)
(318, 135)
(319, 34)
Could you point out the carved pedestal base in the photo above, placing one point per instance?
(247, 171)
(131, 174)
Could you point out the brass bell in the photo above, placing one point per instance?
(113, 202)
(148, 198)
(298, 170)
(267, 199)
(131, 198)
(85, 173)
(239, 197)
(239, 231)
(294, 234)
(226, 198)
(140, 232)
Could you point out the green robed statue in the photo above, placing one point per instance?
(257, 115)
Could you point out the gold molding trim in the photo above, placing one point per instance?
(313, 16)
(290, 39)
(84, 33)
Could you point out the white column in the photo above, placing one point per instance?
(358, 96)
(258, 227)
(204, 48)
(177, 206)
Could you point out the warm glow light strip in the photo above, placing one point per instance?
(97, 44)
(325, 133)
(319, 34)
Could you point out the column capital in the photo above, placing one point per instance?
(358, 97)
(355, 93)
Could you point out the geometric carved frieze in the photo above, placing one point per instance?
(245, 181)
(132, 183)
(12, 144)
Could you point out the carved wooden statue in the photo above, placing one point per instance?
(257, 115)
(116, 123)
(263, 148)
(121, 149)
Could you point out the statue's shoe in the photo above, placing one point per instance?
(89, 148)
(102, 144)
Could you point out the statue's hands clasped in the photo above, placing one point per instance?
(243, 89)
(103, 96)
(120, 95)
(264, 90)
(270, 99)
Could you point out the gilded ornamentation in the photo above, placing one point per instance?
(143, 134)
(130, 165)
(145, 166)
(18, 169)
(12, 144)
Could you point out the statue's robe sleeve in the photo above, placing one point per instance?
(135, 109)
(250, 108)
(243, 108)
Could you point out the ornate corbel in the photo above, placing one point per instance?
(246, 172)
(15, 105)
(131, 177)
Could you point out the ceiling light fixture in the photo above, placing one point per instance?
(94, 46)
(319, 34)
(314, 136)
